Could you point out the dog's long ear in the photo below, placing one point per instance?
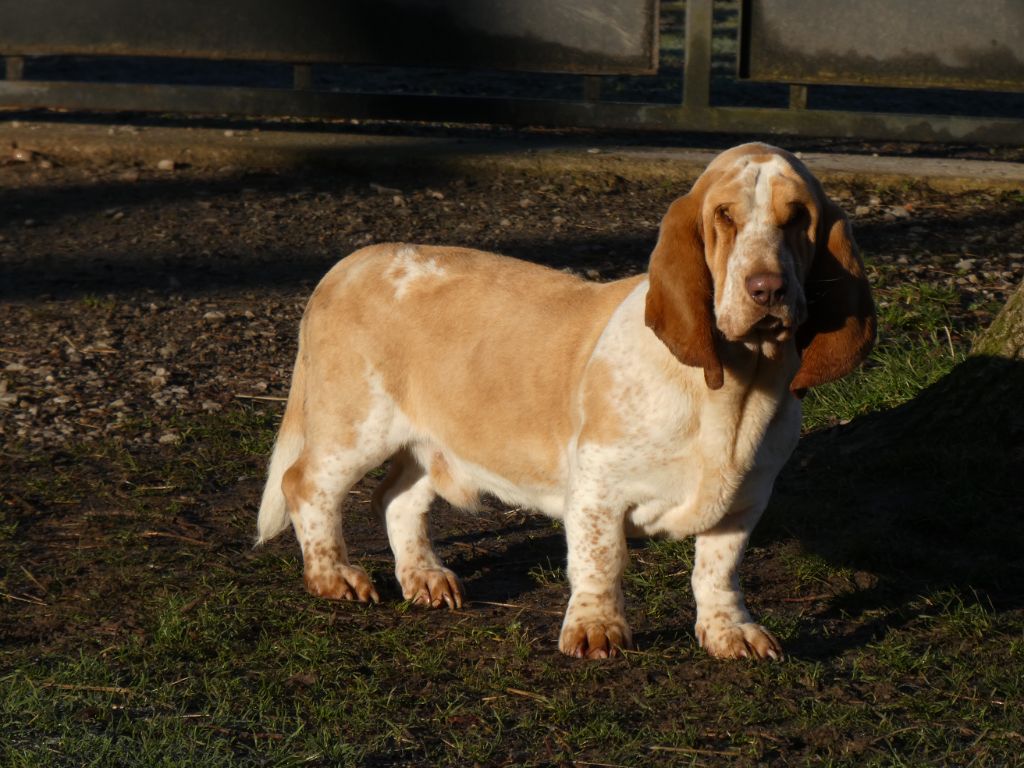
(840, 327)
(680, 307)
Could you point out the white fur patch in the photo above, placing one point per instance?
(759, 247)
(408, 266)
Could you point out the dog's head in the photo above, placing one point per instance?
(757, 253)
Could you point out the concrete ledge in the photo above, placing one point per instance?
(254, 149)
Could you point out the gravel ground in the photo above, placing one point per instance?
(133, 296)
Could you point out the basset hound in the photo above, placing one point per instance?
(661, 404)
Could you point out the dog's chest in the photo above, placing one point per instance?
(687, 479)
(686, 456)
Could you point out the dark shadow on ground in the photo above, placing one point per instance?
(193, 276)
(926, 497)
(81, 256)
(193, 236)
(503, 574)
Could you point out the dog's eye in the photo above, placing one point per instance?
(722, 214)
(799, 216)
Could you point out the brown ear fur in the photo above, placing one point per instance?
(680, 307)
(840, 327)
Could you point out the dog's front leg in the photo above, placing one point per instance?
(724, 626)
(595, 623)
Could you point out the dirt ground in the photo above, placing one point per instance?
(131, 291)
(132, 294)
(142, 306)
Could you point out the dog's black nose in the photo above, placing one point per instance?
(767, 288)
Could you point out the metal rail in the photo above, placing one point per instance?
(693, 113)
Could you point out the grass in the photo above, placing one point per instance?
(893, 375)
(140, 629)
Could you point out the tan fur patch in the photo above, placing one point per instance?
(445, 485)
(603, 423)
(517, 379)
(296, 486)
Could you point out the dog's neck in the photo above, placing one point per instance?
(757, 366)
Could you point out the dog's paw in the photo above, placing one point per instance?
(342, 582)
(738, 641)
(594, 639)
(432, 587)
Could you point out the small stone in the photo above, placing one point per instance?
(435, 194)
(593, 151)
(129, 176)
(209, 405)
(214, 316)
(382, 190)
(558, 221)
(505, 222)
(398, 200)
(525, 202)
(898, 211)
(965, 264)
(169, 438)
(229, 133)
(166, 165)
(15, 368)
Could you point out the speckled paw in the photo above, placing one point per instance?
(342, 582)
(432, 587)
(738, 641)
(584, 639)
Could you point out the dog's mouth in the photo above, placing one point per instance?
(771, 328)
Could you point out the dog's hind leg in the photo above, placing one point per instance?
(402, 500)
(315, 487)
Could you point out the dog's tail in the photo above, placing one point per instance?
(273, 517)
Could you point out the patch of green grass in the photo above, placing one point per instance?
(103, 303)
(249, 678)
(546, 574)
(812, 571)
(916, 308)
(893, 375)
(659, 576)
